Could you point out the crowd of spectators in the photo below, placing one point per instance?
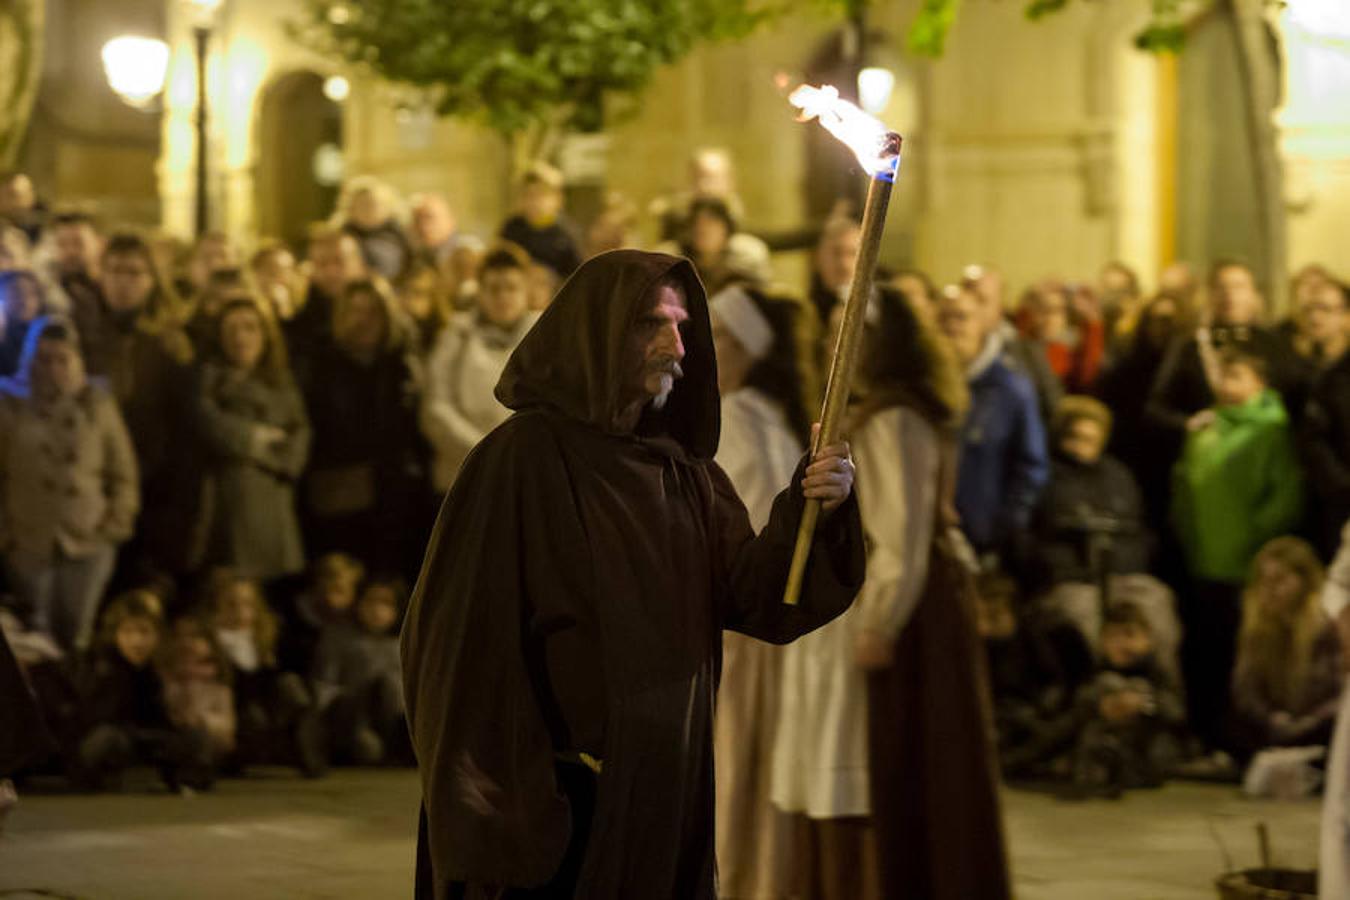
(220, 462)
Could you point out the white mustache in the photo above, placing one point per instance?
(668, 366)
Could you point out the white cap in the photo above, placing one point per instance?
(734, 309)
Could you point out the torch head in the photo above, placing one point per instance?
(876, 147)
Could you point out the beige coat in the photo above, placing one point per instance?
(459, 407)
(68, 476)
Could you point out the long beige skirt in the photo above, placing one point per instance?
(754, 840)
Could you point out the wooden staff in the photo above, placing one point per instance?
(845, 361)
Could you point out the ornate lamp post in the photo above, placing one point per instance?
(203, 14)
(136, 68)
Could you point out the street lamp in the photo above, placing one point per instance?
(337, 88)
(203, 16)
(135, 67)
(875, 84)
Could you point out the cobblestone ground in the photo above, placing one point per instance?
(351, 836)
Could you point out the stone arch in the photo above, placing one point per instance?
(296, 123)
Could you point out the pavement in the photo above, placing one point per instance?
(351, 835)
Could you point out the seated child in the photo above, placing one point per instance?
(197, 694)
(1130, 713)
(333, 583)
(118, 717)
(1287, 682)
(357, 678)
(277, 720)
(1029, 681)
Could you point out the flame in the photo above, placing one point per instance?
(877, 148)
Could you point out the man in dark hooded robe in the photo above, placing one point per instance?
(562, 649)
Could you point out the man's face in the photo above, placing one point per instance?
(16, 196)
(989, 289)
(1050, 313)
(960, 320)
(277, 267)
(1124, 645)
(837, 256)
(432, 222)
(1084, 441)
(504, 296)
(1238, 382)
(1161, 322)
(76, 247)
(334, 263)
(657, 345)
(360, 325)
(127, 281)
(56, 368)
(1322, 313)
(1236, 301)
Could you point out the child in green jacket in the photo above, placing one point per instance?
(1236, 486)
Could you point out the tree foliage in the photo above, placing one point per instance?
(21, 31)
(523, 65)
(1164, 32)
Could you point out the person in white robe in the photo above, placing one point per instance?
(820, 760)
(759, 451)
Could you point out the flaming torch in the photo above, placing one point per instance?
(878, 152)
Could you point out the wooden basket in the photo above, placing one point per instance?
(1268, 884)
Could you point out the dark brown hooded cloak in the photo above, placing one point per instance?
(572, 601)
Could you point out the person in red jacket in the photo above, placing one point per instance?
(1065, 320)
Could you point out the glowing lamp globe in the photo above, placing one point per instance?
(136, 67)
(875, 85)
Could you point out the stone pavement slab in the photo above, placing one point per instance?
(351, 835)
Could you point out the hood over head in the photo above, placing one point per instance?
(572, 361)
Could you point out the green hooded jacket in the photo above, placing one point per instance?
(1237, 485)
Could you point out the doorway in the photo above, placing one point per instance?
(300, 157)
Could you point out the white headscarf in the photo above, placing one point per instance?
(734, 308)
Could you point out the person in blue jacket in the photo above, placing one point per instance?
(1004, 463)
